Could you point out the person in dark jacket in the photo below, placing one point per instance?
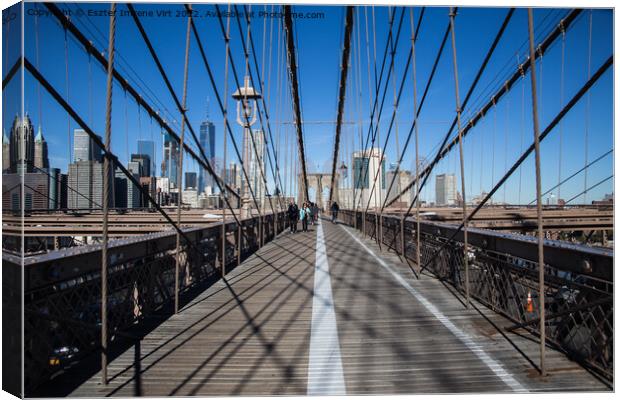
(315, 213)
(334, 210)
(293, 216)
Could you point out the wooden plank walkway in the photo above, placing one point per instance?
(250, 334)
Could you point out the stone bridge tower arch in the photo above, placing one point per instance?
(319, 181)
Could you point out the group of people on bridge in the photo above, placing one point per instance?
(308, 213)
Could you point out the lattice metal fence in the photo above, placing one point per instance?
(62, 289)
(503, 272)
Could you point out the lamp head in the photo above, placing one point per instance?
(246, 92)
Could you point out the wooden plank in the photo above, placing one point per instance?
(250, 334)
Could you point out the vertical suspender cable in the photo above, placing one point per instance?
(417, 154)
(462, 162)
(67, 90)
(541, 259)
(585, 174)
(227, 40)
(506, 135)
(177, 262)
(523, 128)
(105, 201)
(493, 144)
(561, 130)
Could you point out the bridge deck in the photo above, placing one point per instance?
(261, 331)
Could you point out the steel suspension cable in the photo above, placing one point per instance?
(462, 162)
(391, 125)
(587, 118)
(88, 46)
(106, 200)
(221, 106)
(541, 248)
(95, 138)
(465, 101)
(295, 94)
(177, 258)
(275, 174)
(344, 66)
(418, 111)
(561, 105)
(542, 48)
(608, 152)
(417, 158)
(371, 132)
(573, 101)
(590, 188)
(375, 96)
(265, 109)
(225, 149)
(177, 102)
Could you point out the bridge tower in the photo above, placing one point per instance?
(320, 181)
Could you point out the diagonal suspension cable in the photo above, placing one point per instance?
(274, 173)
(264, 101)
(89, 48)
(344, 69)
(111, 156)
(608, 152)
(173, 93)
(454, 121)
(503, 90)
(292, 67)
(376, 96)
(584, 89)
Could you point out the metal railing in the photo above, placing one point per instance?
(504, 274)
(62, 288)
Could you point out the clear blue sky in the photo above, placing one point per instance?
(489, 148)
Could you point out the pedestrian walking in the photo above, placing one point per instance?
(293, 215)
(303, 216)
(334, 210)
(310, 213)
(315, 212)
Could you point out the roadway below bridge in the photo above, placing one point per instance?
(135, 223)
(327, 312)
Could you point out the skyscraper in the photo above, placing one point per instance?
(84, 148)
(365, 167)
(85, 177)
(445, 190)
(21, 145)
(207, 141)
(233, 176)
(401, 180)
(190, 180)
(169, 161)
(6, 153)
(145, 163)
(41, 159)
(256, 162)
(147, 147)
(133, 191)
(86, 184)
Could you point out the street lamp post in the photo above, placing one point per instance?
(246, 97)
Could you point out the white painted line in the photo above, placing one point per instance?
(495, 366)
(325, 375)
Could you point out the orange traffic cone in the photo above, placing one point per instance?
(529, 306)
